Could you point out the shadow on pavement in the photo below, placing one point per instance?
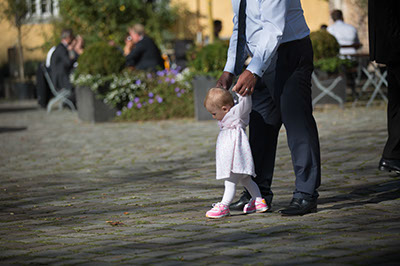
(364, 194)
(17, 109)
(12, 129)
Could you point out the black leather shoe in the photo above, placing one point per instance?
(300, 207)
(238, 205)
(389, 165)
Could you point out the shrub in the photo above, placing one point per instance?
(208, 60)
(324, 44)
(326, 50)
(100, 58)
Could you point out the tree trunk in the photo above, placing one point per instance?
(20, 56)
(210, 21)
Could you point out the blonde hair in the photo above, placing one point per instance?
(218, 97)
(138, 28)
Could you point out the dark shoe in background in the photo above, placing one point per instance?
(300, 207)
(389, 165)
(239, 205)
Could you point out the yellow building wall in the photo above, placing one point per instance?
(316, 13)
(32, 40)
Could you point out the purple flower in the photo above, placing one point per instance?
(149, 76)
(160, 73)
(159, 81)
(172, 81)
(151, 101)
(138, 82)
(159, 99)
(177, 89)
(167, 79)
(174, 71)
(183, 91)
(179, 94)
(119, 113)
(139, 105)
(136, 100)
(130, 104)
(151, 95)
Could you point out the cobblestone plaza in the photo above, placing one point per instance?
(136, 193)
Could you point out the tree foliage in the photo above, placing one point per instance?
(105, 20)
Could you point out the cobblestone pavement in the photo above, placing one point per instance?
(136, 193)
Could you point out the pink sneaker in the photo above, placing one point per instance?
(255, 206)
(219, 210)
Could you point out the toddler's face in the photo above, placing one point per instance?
(218, 113)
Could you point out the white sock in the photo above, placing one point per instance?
(229, 194)
(252, 187)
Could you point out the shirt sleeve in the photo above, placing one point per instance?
(133, 57)
(273, 17)
(243, 108)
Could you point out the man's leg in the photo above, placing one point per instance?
(302, 133)
(391, 154)
(263, 142)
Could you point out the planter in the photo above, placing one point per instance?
(91, 109)
(201, 84)
(326, 80)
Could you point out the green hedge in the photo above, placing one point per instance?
(100, 58)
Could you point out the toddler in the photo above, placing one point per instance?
(233, 154)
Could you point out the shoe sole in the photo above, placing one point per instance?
(388, 169)
(257, 211)
(262, 210)
(217, 217)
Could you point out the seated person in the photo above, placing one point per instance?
(345, 34)
(140, 51)
(63, 59)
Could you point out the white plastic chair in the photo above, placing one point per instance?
(60, 96)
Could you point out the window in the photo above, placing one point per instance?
(42, 10)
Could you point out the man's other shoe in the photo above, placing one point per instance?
(300, 207)
(389, 165)
(239, 205)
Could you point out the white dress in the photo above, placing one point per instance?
(233, 153)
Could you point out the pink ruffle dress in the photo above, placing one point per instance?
(233, 153)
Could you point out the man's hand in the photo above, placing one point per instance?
(245, 84)
(225, 81)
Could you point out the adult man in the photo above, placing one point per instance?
(62, 61)
(345, 34)
(278, 77)
(384, 41)
(141, 52)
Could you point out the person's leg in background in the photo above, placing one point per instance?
(391, 154)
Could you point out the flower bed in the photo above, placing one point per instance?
(141, 96)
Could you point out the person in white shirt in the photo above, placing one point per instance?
(345, 34)
(275, 34)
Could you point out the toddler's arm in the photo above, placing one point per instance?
(244, 105)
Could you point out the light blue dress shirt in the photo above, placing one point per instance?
(268, 24)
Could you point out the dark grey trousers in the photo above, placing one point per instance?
(392, 147)
(283, 96)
